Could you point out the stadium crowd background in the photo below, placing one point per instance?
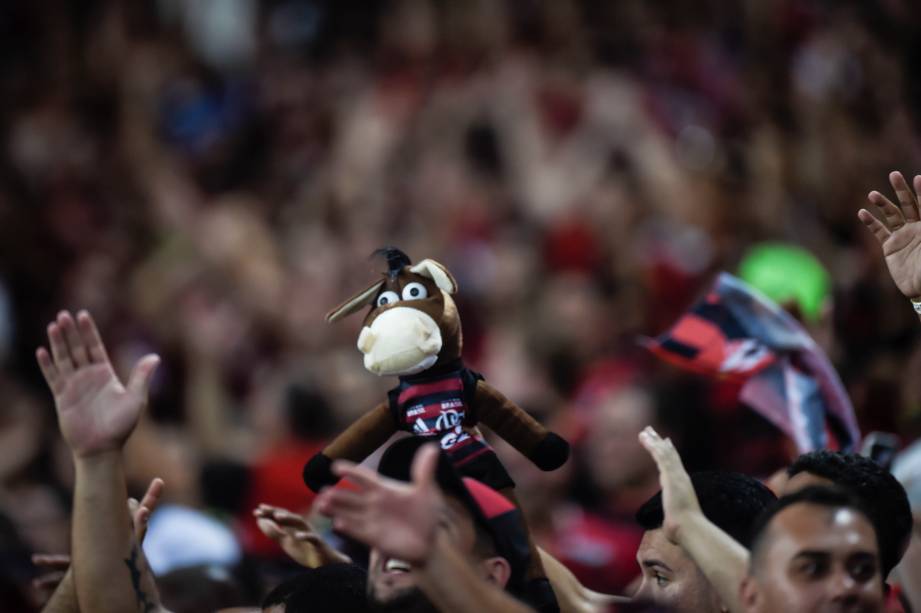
(209, 178)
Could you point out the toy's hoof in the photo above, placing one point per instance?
(551, 453)
(318, 473)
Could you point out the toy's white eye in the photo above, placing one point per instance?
(415, 291)
(387, 298)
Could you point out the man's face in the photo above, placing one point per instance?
(816, 559)
(392, 582)
(671, 578)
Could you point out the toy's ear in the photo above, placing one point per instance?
(356, 302)
(437, 273)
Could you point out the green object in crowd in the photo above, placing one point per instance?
(786, 273)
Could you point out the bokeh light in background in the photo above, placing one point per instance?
(208, 178)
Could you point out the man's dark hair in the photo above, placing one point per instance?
(883, 497)
(330, 588)
(484, 546)
(831, 498)
(730, 500)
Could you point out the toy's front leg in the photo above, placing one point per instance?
(546, 449)
(355, 444)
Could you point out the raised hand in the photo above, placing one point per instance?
(59, 577)
(296, 537)
(899, 234)
(96, 412)
(140, 511)
(400, 519)
(678, 496)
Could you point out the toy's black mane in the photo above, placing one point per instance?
(396, 259)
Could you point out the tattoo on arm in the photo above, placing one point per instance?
(143, 599)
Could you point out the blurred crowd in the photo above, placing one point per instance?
(209, 178)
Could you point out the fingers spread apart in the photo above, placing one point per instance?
(879, 230)
(78, 352)
(908, 202)
(891, 214)
(59, 350)
(73, 343)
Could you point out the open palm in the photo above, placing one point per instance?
(678, 495)
(96, 412)
(400, 519)
(899, 233)
(297, 537)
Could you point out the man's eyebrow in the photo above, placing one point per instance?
(654, 563)
(869, 555)
(812, 553)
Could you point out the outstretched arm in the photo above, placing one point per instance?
(571, 594)
(61, 575)
(96, 414)
(899, 233)
(721, 559)
(297, 537)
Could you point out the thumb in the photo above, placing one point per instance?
(142, 373)
(424, 465)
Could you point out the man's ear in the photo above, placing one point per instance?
(496, 570)
(748, 594)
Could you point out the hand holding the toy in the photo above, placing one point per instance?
(899, 234)
(296, 537)
(399, 519)
(96, 412)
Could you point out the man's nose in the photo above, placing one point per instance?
(643, 592)
(844, 588)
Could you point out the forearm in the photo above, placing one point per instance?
(508, 420)
(547, 450)
(721, 559)
(109, 570)
(452, 586)
(570, 593)
(64, 598)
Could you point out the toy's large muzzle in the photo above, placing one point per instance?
(400, 341)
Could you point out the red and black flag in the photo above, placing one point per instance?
(737, 333)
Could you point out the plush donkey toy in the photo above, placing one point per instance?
(413, 331)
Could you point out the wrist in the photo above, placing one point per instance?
(97, 456)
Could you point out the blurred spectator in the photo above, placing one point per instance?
(207, 178)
